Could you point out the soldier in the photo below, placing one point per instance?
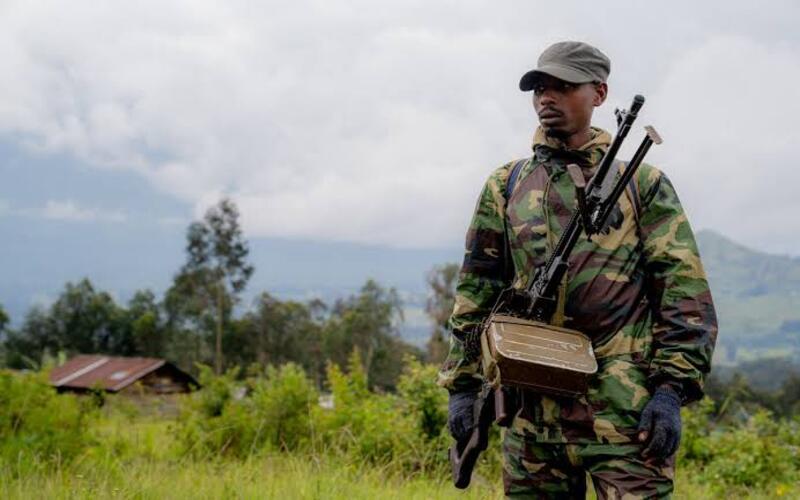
(638, 290)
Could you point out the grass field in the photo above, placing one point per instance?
(61, 447)
(138, 458)
(283, 476)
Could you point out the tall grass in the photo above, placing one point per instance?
(278, 443)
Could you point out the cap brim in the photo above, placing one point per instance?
(570, 75)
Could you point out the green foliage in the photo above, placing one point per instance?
(4, 319)
(754, 455)
(37, 425)
(148, 329)
(439, 306)
(282, 404)
(361, 423)
(424, 401)
(86, 320)
(278, 332)
(762, 452)
(755, 295)
(275, 415)
(216, 272)
(367, 322)
(217, 391)
(772, 384)
(272, 417)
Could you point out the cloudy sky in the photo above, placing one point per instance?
(375, 122)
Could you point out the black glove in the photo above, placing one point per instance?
(660, 427)
(460, 410)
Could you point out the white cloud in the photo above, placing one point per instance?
(378, 122)
(728, 116)
(68, 210)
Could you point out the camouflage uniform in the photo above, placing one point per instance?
(638, 290)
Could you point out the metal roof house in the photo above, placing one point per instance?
(116, 374)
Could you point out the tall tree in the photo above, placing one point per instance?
(442, 283)
(276, 332)
(144, 318)
(81, 320)
(4, 319)
(367, 322)
(216, 271)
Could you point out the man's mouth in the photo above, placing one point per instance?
(550, 114)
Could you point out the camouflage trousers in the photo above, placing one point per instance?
(558, 470)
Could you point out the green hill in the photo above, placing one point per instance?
(757, 297)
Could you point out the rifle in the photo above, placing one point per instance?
(538, 301)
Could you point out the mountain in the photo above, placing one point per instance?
(757, 296)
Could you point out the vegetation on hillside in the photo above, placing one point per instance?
(757, 297)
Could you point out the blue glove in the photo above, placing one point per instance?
(460, 414)
(660, 426)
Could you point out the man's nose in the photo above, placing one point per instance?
(546, 98)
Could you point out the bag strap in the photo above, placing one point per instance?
(511, 182)
(513, 176)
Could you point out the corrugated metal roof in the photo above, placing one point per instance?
(104, 372)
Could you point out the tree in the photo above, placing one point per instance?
(367, 322)
(4, 320)
(81, 320)
(26, 347)
(277, 332)
(216, 272)
(147, 329)
(87, 321)
(441, 299)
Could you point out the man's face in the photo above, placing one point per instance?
(566, 108)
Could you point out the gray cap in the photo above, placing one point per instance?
(574, 62)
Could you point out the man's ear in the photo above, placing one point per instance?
(600, 94)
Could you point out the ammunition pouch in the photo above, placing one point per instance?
(524, 354)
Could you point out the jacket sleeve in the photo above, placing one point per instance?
(482, 277)
(685, 323)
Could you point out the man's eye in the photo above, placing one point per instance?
(561, 87)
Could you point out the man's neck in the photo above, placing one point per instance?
(578, 139)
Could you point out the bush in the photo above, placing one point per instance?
(282, 405)
(763, 451)
(423, 399)
(367, 426)
(275, 415)
(39, 425)
(754, 455)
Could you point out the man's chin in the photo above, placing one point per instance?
(555, 132)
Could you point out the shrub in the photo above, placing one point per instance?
(275, 415)
(365, 425)
(423, 399)
(754, 455)
(38, 424)
(282, 405)
(760, 452)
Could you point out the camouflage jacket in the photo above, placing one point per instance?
(638, 291)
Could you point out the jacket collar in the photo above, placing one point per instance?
(587, 155)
